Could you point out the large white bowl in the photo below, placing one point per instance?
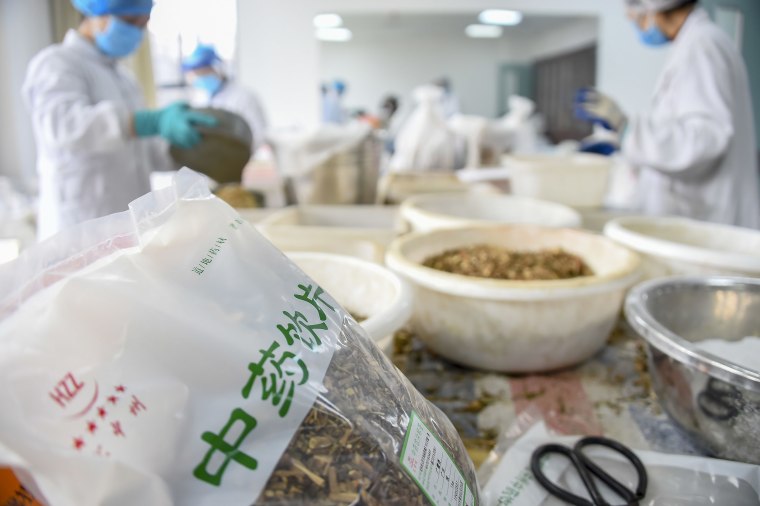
(515, 326)
(396, 187)
(578, 180)
(360, 231)
(328, 217)
(363, 288)
(684, 246)
(451, 210)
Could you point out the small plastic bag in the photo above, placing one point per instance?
(674, 480)
(171, 355)
(425, 143)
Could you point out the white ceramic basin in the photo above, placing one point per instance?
(515, 326)
(359, 231)
(578, 180)
(363, 288)
(433, 212)
(684, 246)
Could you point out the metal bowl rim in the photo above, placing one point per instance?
(678, 348)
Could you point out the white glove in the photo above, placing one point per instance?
(600, 109)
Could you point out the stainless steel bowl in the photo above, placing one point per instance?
(717, 402)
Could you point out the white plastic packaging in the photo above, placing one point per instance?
(425, 142)
(170, 355)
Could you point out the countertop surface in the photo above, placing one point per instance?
(609, 395)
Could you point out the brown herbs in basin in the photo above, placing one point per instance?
(484, 261)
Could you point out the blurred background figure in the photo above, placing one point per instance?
(333, 111)
(214, 88)
(388, 108)
(449, 100)
(96, 141)
(425, 143)
(695, 147)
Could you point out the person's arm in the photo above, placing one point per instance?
(256, 117)
(64, 116)
(62, 112)
(160, 159)
(701, 128)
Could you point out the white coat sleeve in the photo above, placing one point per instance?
(160, 159)
(254, 114)
(63, 114)
(697, 133)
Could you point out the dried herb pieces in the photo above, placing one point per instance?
(346, 451)
(236, 196)
(485, 261)
(357, 316)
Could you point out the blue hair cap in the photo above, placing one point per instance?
(113, 7)
(339, 86)
(203, 56)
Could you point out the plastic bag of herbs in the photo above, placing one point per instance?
(171, 355)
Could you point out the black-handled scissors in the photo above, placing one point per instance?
(720, 401)
(587, 470)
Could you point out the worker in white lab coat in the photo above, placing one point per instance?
(695, 147)
(449, 100)
(215, 89)
(96, 142)
(333, 111)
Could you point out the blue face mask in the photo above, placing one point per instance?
(652, 36)
(210, 83)
(120, 38)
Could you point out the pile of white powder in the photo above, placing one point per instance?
(744, 352)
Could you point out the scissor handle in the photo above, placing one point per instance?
(720, 401)
(554, 489)
(715, 407)
(619, 488)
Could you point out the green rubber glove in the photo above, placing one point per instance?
(175, 123)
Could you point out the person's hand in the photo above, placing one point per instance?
(598, 108)
(598, 148)
(176, 123)
(601, 142)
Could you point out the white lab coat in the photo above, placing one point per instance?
(449, 104)
(89, 164)
(234, 98)
(333, 111)
(696, 146)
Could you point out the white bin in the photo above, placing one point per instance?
(434, 212)
(578, 180)
(680, 246)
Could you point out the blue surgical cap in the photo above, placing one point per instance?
(115, 7)
(203, 56)
(339, 86)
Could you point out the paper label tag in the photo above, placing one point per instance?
(433, 469)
